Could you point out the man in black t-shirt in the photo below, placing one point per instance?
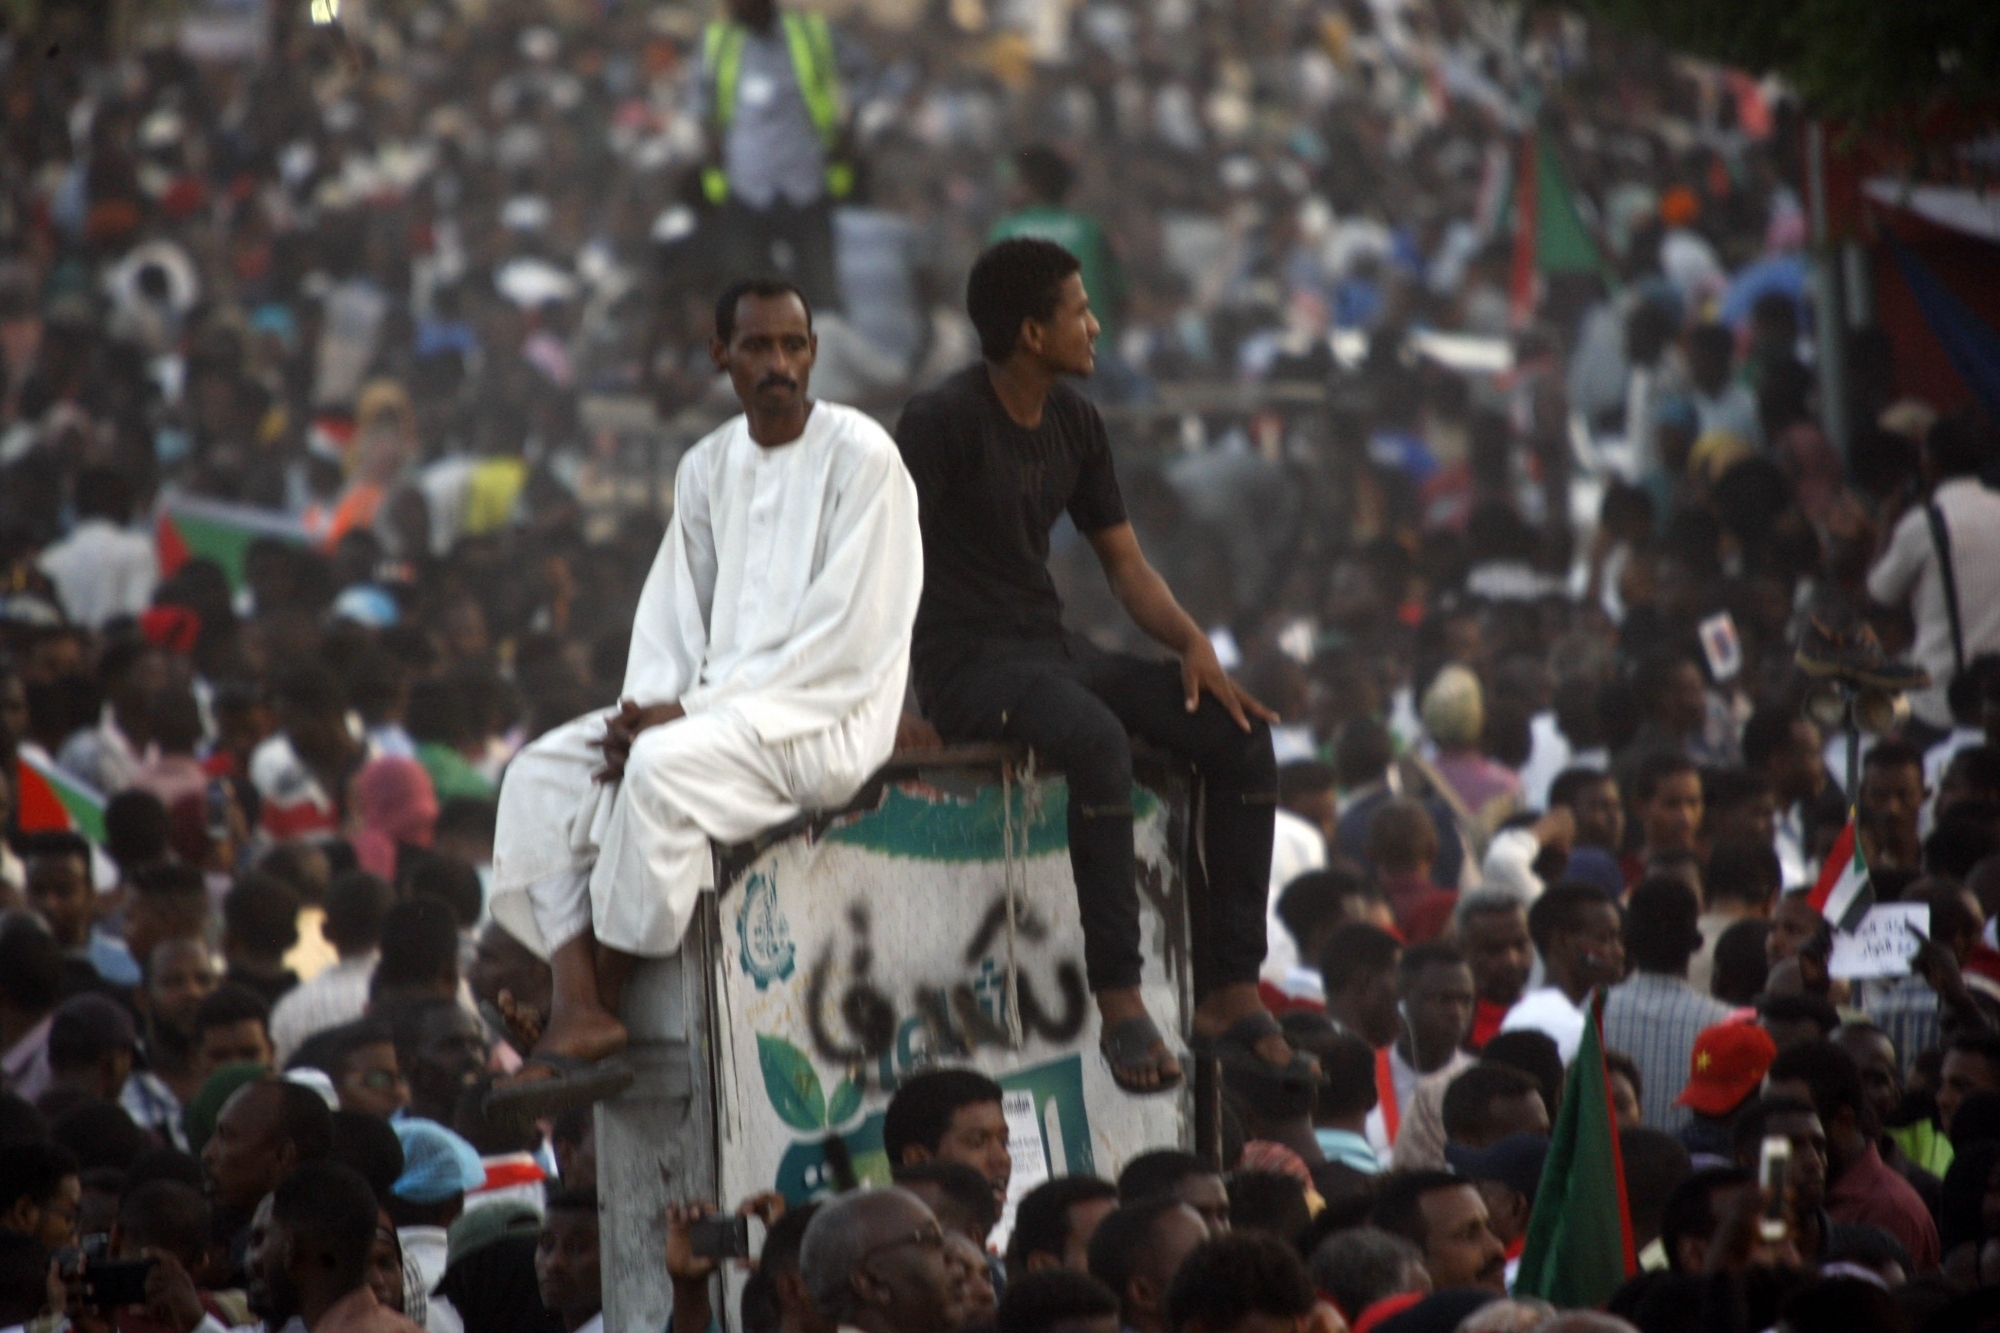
(999, 452)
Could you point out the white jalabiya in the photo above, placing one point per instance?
(778, 614)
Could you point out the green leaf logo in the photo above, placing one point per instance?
(792, 1084)
(845, 1102)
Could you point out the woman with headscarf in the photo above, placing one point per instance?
(394, 806)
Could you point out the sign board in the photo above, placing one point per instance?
(851, 957)
(1882, 945)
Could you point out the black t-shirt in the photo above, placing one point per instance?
(988, 492)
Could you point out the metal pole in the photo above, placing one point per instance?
(1829, 310)
(1853, 755)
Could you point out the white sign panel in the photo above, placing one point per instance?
(884, 944)
(1882, 945)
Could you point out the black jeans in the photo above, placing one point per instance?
(792, 240)
(1076, 706)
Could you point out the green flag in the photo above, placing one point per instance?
(1561, 243)
(1579, 1245)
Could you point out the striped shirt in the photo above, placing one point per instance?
(1654, 1019)
(336, 996)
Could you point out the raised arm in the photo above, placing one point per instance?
(1151, 604)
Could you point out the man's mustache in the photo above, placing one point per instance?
(777, 382)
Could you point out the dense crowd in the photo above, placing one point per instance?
(1541, 610)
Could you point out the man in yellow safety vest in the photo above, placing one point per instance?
(773, 98)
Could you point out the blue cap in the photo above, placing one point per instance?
(1594, 865)
(1515, 1161)
(436, 1163)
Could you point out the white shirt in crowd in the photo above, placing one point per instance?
(102, 570)
(1296, 847)
(1547, 1009)
(1908, 570)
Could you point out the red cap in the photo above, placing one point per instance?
(1730, 1060)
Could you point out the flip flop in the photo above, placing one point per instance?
(1236, 1048)
(571, 1082)
(1129, 1048)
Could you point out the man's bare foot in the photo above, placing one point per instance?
(582, 1034)
(1230, 1005)
(1150, 1071)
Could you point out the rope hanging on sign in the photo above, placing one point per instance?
(1013, 850)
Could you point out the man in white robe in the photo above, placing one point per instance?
(769, 655)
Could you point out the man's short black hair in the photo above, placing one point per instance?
(1743, 870)
(329, 1209)
(1157, 1174)
(1535, 1054)
(1561, 909)
(450, 881)
(1045, 171)
(261, 912)
(1959, 445)
(33, 1171)
(963, 1189)
(311, 689)
(330, 1050)
(1271, 1202)
(31, 966)
(763, 289)
(1570, 785)
(367, 1145)
(1893, 753)
(1812, 1009)
(102, 1136)
(1430, 953)
(1470, 1098)
(1355, 950)
(1306, 777)
(231, 1002)
(1655, 1164)
(1746, 1131)
(1123, 1236)
(51, 844)
(1689, 1213)
(1042, 1221)
(1730, 787)
(1232, 1278)
(419, 945)
(1829, 1071)
(1768, 731)
(102, 492)
(1037, 1302)
(1014, 281)
(1346, 1064)
(1362, 752)
(920, 1112)
(303, 1118)
(1318, 896)
(136, 829)
(356, 905)
(1657, 768)
(1985, 1045)
(168, 1215)
(573, 1201)
(1399, 1208)
(1661, 933)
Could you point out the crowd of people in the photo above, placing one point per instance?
(1543, 627)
